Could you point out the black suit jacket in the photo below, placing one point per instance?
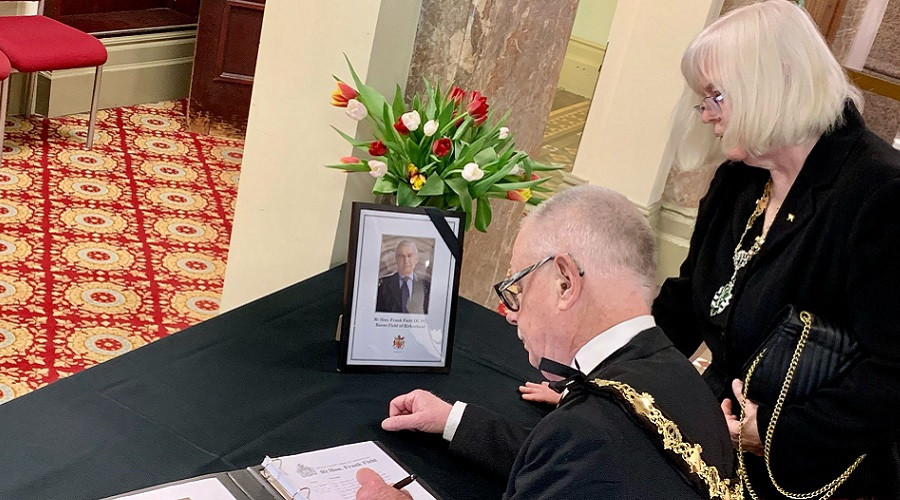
(838, 258)
(388, 299)
(590, 447)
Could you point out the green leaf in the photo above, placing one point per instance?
(434, 186)
(399, 107)
(350, 167)
(461, 188)
(405, 195)
(483, 215)
(482, 186)
(506, 186)
(385, 185)
(486, 156)
(432, 101)
(462, 128)
(353, 142)
(371, 98)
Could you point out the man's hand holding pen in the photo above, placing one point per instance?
(373, 487)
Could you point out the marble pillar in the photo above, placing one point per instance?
(512, 51)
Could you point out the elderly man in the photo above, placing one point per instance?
(581, 297)
(403, 291)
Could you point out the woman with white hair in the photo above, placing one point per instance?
(804, 210)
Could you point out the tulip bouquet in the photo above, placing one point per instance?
(446, 150)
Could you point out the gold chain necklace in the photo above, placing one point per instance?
(741, 258)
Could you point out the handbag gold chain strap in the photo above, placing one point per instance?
(825, 491)
(643, 405)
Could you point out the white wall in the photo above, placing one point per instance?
(289, 207)
(624, 145)
(593, 20)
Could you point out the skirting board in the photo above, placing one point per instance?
(673, 237)
(581, 66)
(140, 69)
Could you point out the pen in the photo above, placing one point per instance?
(405, 481)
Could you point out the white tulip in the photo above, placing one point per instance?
(411, 120)
(517, 170)
(377, 168)
(356, 110)
(472, 172)
(504, 132)
(429, 128)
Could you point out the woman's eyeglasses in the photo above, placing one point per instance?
(711, 104)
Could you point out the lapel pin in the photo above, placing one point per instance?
(790, 217)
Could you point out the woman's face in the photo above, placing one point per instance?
(719, 120)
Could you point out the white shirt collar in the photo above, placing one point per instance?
(600, 347)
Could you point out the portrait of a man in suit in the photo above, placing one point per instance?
(404, 291)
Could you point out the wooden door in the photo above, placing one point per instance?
(224, 63)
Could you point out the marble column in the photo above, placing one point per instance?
(512, 51)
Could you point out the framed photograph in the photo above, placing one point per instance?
(401, 289)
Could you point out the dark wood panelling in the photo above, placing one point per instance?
(225, 61)
(105, 16)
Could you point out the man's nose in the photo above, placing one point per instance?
(512, 317)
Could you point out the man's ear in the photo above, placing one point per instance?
(569, 281)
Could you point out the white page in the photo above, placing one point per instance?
(331, 473)
(205, 489)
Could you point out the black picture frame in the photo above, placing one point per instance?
(375, 335)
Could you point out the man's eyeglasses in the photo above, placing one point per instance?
(712, 104)
(509, 291)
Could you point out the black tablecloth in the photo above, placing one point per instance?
(259, 380)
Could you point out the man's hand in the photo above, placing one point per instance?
(752, 442)
(541, 393)
(417, 411)
(373, 487)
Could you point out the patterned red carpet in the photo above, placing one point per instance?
(106, 250)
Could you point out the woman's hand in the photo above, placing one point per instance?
(541, 393)
(751, 441)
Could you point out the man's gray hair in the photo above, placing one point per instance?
(599, 228)
(405, 243)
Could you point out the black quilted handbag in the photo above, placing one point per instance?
(802, 353)
(826, 356)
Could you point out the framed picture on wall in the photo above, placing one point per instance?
(401, 288)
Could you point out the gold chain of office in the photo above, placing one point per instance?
(644, 407)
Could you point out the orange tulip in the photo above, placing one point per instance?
(343, 94)
(519, 194)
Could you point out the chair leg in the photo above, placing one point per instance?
(4, 99)
(30, 91)
(95, 100)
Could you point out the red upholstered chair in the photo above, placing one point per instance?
(38, 43)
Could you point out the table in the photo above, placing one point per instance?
(258, 380)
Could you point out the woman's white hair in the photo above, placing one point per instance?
(780, 79)
(600, 228)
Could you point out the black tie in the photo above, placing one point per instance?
(404, 295)
(573, 380)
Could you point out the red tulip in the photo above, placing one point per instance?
(350, 159)
(477, 108)
(442, 147)
(343, 94)
(457, 94)
(400, 127)
(377, 148)
(534, 176)
(501, 308)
